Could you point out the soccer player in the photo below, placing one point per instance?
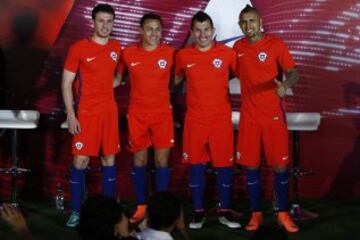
(150, 120)
(95, 125)
(208, 131)
(263, 120)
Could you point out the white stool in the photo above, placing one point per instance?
(296, 122)
(14, 120)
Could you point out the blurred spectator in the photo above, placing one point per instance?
(267, 232)
(165, 215)
(13, 216)
(103, 218)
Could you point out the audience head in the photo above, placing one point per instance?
(163, 211)
(268, 232)
(99, 218)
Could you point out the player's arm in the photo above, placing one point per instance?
(117, 80)
(66, 86)
(291, 78)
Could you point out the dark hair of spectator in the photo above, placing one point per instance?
(268, 232)
(163, 210)
(98, 217)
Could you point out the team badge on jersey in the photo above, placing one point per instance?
(262, 56)
(185, 156)
(79, 145)
(113, 55)
(162, 63)
(217, 62)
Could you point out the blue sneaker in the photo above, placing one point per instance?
(74, 220)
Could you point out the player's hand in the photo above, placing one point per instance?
(12, 216)
(74, 125)
(281, 88)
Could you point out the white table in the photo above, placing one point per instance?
(15, 120)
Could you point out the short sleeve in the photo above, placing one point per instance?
(72, 59)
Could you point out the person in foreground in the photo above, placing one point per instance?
(165, 214)
(208, 130)
(263, 122)
(95, 125)
(150, 120)
(16, 221)
(102, 218)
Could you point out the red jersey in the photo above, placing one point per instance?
(207, 77)
(149, 73)
(258, 66)
(96, 64)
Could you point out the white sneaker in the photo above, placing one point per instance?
(74, 220)
(226, 219)
(198, 220)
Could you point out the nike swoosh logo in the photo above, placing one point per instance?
(241, 54)
(285, 158)
(190, 65)
(90, 59)
(252, 183)
(134, 64)
(284, 182)
(111, 179)
(193, 185)
(226, 40)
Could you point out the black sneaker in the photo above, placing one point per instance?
(198, 220)
(227, 219)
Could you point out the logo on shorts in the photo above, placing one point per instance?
(79, 145)
(275, 118)
(162, 63)
(185, 156)
(262, 56)
(113, 55)
(217, 62)
(238, 155)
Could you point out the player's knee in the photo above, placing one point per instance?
(140, 158)
(108, 160)
(280, 168)
(80, 162)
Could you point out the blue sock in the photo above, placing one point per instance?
(162, 178)
(108, 180)
(223, 185)
(77, 187)
(139, 180)
(253, 182)
(197, 185)
(282, 190)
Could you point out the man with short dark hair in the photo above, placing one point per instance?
(150, 120)
(208, 130)
(263, 120)
(94, 126)
(164, 215)
(102, 218)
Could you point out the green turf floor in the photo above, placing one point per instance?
(339, 220)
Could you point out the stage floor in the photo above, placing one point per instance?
(339, 219)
